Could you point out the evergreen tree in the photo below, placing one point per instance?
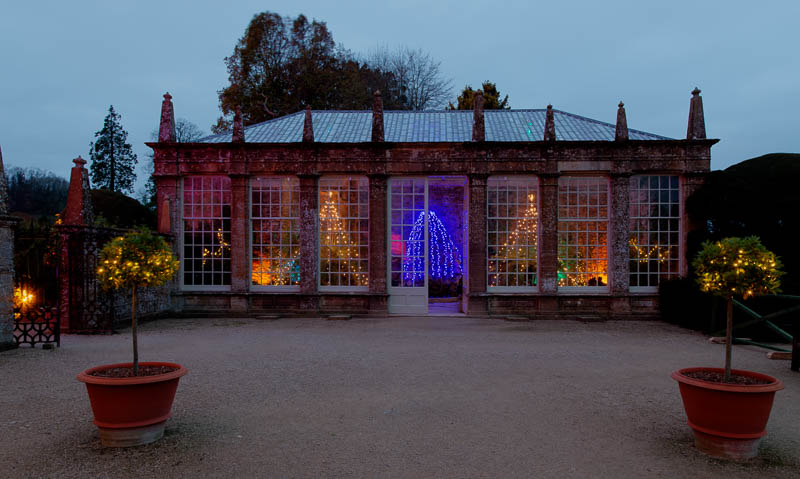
(113, 160)
(491, 98)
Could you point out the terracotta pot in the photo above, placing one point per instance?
(131, 411)
(728, 420)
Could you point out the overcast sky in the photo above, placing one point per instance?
(63, 63)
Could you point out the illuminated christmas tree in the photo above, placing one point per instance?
(338, 239)
(444, 257)
(522, 242)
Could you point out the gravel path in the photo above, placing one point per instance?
(397, 397)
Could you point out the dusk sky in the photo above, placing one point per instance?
(64, 63)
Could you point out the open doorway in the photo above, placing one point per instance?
(447, 232)
(428, 233)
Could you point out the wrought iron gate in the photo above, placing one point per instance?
(37, 325)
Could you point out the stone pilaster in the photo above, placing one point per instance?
(548, 234)
(240, 238)
(477, 300)
(78, 216)
(377, 233)
(309, 233)
(79, 211)
(7, 225)
(168, 203)
(3, 188)
(619, 256)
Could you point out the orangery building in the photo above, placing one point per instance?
(538, 213)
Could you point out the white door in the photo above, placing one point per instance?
(408, 246)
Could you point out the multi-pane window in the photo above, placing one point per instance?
(275, 220)
(407, 259)
(344, 232)
(583, 232)
(512, 232)
(206, 231)
(654, 241)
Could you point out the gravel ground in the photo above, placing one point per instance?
(391, 397)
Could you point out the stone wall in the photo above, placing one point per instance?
(7, 282)
(149, 302)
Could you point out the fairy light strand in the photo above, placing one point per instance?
(445, 259)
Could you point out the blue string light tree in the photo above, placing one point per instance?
(444, 258)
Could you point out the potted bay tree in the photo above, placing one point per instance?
(131, 401)
(728, 409)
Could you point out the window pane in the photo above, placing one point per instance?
(343, 229)
(512, 232)
(582, 225)
(275, 226)
(654, 229)
(206, 231)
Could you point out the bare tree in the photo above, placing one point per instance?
(185, 131)
(417, 76)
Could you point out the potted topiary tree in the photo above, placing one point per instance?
(131, 401)
(728, 409)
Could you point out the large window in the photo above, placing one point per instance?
(344, 233)
(275, 213)
(512, 233)
(654, 241)
(583, 233)
(206, 232)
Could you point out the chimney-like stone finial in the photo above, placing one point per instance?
(308, 127)
(3, 188)
(697, 124)
(166, 130)
(79, 199)
(238, 129)
(549, 125)
(478, 124)
(377, 117)
(622, 124)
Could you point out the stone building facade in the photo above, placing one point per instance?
(537, 213)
